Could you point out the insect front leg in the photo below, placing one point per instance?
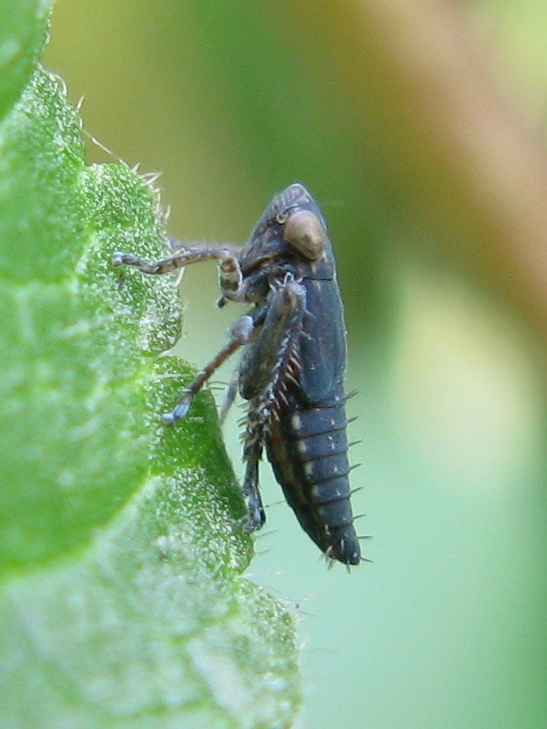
(230, 276)
(184, 254)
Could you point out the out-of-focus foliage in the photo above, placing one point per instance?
(232, 101)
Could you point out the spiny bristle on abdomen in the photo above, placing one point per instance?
(307, 448)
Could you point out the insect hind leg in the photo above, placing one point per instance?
(261, 375)
(229, 395)
(256, 515)
(264, 365)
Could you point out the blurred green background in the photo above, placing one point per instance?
(232, 101)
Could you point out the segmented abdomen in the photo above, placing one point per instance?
(308, 449)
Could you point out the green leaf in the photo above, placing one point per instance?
(23, 28)
(122, 601)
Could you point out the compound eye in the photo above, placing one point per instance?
(305, 232)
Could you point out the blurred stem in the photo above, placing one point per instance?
(471, 163)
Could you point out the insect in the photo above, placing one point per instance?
(292, 367)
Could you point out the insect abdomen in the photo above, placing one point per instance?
(307, 447)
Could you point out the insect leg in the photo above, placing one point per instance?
(252, 453)
(224, 248)
(230, 276)
(241, 333)
(184, 255)
(229, 395)
(265, 363)
(262, 375)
